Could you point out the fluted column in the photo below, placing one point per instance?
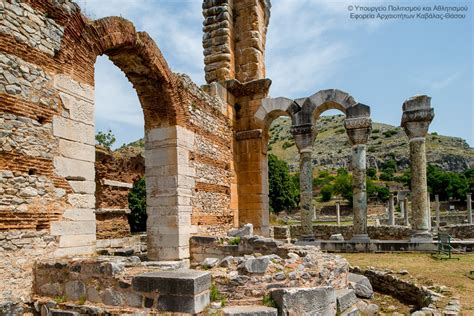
(358, 129)
(405, 215)
(417, 116)
(304, 137)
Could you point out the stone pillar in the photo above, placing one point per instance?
(358, 129)
(304, 137)
(170, 186)
(469, 209)
(391, 211)
(338, 214)
(428, 201)
(405, 206)
(437, 212)
(402, 208)
(417, 116)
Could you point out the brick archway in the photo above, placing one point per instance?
(167, 141)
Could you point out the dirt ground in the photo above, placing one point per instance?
(428, 271)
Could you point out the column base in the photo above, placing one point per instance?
(360, 238)
(421, 236)
(307, 238)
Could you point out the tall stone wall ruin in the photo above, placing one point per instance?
(54, 197)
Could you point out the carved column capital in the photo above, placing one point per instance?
(304, 136)
(358, 129)
(417, 116)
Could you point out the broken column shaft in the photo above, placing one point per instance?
(417, 116)
(304, 137)
(358, 130)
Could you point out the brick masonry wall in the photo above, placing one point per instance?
(211, 159)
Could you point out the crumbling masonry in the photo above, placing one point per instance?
(205, 148)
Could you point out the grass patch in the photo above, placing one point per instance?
(234, 241)
(216, 295)
(426, 270)
(267, 300)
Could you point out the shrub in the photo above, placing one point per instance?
(283, 192)
(372, 173)
(326, 193)
(390, 133)
(105, 139)
(137, 205)
(375, 131)
(288, 144)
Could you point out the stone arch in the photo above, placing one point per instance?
(167, 141)
(324, 100)
(138, 56)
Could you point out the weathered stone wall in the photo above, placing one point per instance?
(211, 159)
(375, 232)
(19, 251)
(460, 231)
(234, 39)
(115, 173)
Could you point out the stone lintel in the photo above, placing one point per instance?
(250, 88)
(113, 211)
(119, 184)
(249, 134)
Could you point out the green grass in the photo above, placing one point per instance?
(427, 271)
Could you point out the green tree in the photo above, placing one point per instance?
(283, 192)
(343, 184)
(137, 205)
(446, 184)
(469, 174)
(372, 173)
(105, 139)
(326, 193)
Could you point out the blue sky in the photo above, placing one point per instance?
(312, 45)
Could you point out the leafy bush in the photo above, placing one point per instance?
(448, 184)
(390, 133)
(372, 173)
(326, 193)
(343, 184)
(105, 139)
(287, 144)
(137, 205)
(283, 192)
(375, 131)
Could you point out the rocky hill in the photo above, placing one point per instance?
(332, 150)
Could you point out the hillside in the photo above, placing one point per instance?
(332, 150)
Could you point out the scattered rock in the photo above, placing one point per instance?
(337, 237)
(226, 262)
(361, 285)
(255, 265)
(210, 262)
(305, 301)
(245, 230)
(345, 299)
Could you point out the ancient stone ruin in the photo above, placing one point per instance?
(205, 163)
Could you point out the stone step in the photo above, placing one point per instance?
(253, 310)
(182, 291)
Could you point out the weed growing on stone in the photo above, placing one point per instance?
(234, 241)
(267, 300)
(216, 295)
(60, 299)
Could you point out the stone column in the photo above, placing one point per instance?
(358, 129)
(405, 206)
(338, 214)
(469, 209)
(428, 201)
(417, 116)
(304, 137)
(402, 208)
(437, 212)
(391, 211)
